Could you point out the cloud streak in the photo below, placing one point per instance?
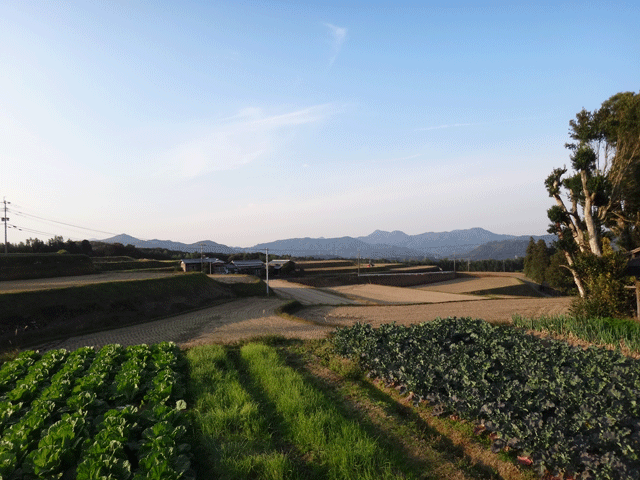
(476, 124)
(452, 125)
(338, 37)
(240, 140)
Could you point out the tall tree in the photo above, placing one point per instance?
(528, 259)
(599, 198)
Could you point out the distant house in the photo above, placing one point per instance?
(248, 267)
(276, 265)
(207, 265)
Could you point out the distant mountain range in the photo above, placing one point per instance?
(473, 244)
(207, 245)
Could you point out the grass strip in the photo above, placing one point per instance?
(334, 445)
(235, 438)
(294, 410)
(620, 334)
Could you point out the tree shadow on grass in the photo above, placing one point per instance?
(278, 426)
(372, 398)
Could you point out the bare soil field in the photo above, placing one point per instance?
(364, 268)
(327, 308)
(62, 282)
(384, 294)
(227, 323)
(415, 269)
(474, 283)
(254, 317)
(309, 295)
(233, 278)
(494, 310)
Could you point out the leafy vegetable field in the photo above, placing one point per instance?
(115, 413)
(573, 412)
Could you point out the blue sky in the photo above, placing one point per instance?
(247, 122)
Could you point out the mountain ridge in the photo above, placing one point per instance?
(474, 243)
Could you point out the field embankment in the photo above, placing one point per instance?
(107, 265)
(43, 265)
(29, 317)
(387, 278)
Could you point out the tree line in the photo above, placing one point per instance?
(546, 265)
(102, 249)
(53, 245)
(57, 244)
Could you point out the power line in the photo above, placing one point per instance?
(30, 230)
(28, 215)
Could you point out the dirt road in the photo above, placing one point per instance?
(230, 322)
(252, 317)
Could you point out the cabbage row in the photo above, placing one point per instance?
(574, 412)
(115, 413)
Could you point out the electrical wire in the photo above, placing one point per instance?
(30, 230)
(28, 215)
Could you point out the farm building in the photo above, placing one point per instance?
(276, 265)
(208, 265)
(249, 267)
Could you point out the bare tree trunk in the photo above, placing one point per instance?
(576, 278)
(594, 234)
(575, 230)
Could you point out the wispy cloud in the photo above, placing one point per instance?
(477, 124)
(338, 37)
(240, 139)
(452, 125)
(410, 157)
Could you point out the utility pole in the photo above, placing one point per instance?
(5, 220)
(201, 259)
(267, 262)
(358, 262)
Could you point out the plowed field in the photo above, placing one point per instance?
(495, 310)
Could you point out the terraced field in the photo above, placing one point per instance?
(475, 283)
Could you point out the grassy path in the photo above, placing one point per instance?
(283, 412)
(259, 418)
